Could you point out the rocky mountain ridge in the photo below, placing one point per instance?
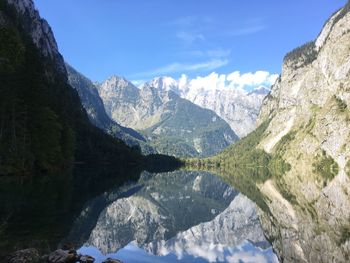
(173, 125)
(94, 107)
(236, 106)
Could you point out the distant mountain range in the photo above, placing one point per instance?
(236, 106)
(95, 109)
(175, 117)
(172, 125)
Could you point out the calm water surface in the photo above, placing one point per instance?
(167, 217)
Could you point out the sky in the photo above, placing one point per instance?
(143, 39)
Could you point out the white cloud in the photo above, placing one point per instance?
(181, 67)
(233, 80)
(137, 82)
(258, 78)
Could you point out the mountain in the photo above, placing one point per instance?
(309, 127)
(304, 128)
(172, 125)
(95, 109)
(237, 107)
(43, 124)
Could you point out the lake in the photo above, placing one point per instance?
(180, 216)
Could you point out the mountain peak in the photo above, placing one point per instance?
(261, 90)
(116, 82)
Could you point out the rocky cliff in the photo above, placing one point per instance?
(38, 29)
(172, 125)
(309, 127)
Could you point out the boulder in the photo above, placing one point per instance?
(63, 256)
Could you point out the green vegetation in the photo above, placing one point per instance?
(307, 52)
(188, 130)
(342, 106)
(282, 145)
(344, 234)
(311, 124)
(325, 166)
(243, 153)
(244, 166)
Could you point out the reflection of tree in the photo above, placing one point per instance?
(39, 211)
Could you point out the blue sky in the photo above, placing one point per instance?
(141, 39)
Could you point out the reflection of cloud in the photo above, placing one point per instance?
(211, 252)
(247, 257)
(246, 253)
(182, 67)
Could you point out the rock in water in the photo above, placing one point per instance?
(111, 260)
(63, 256)
(86, 259)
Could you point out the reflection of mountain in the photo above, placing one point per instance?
(166, 204)
(239, 222)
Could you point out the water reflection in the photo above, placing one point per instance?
(180, 216)
(244, 253)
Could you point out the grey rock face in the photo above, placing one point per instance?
(308, 108)
(238, 108)
(96, 111)
(40, 31)
(174, 125)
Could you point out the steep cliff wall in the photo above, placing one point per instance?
(309, 127)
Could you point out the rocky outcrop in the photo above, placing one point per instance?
(173, 125)
(309, 127)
